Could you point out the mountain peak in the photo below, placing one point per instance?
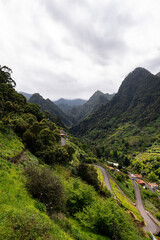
(140, 69)
(36, 95)
(158, 74)
(133, 80)
(96, 94)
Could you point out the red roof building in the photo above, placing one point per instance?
(141, 182)
(111, 168)
(138, 176)
(153, 185)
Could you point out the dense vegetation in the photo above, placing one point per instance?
(43, 195)
(128, 125)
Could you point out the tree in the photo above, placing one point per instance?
(29, 138)
(46, 187)
(152, 177)
(5, 76)
(138, 166)
(89, 174)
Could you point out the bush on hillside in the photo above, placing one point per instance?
(107, 218)
(79, 195)
(89, 174)
(45, 187)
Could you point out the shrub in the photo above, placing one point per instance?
(20, 126)
(107, 218)
(45, 187)
(89, 174)
(79, 195)
(29, 138)
(157, 215)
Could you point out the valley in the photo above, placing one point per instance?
(71, 174)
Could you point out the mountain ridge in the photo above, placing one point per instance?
(48, 105)
(70, 102)
(136, 96)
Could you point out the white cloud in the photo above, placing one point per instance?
(71, 48)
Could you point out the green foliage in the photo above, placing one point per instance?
(137, 166)
(35, 110)
(21, 217)
(5, 76)
(157, 215)
(29, 138)
(150, 160)
(52, 155)
(125, 202)
(45, 187)
(125, 184)
(26, 224)
(152, 177)
(107, 218)
(10, 144)
(79, 195)
(19, 214)
(81, 233)
(89, 174)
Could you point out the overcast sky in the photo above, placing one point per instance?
(71, 48)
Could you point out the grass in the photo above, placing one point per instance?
(124, 201)
(80, 233)
(126, 186)
(100, 176)
(10, 144)
(21, 217)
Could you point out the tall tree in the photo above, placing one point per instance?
(5, 76)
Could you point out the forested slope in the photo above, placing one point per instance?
(42, 195)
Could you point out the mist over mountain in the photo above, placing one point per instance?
(66, 104)
(69, 102)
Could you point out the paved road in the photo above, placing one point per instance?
(63, 141)
(105, 177)
(151, 226)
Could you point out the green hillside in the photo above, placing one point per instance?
(48, 191)
(137, 101)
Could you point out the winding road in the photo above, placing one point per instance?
(63, 141)
(105, 177)
(151, 226)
